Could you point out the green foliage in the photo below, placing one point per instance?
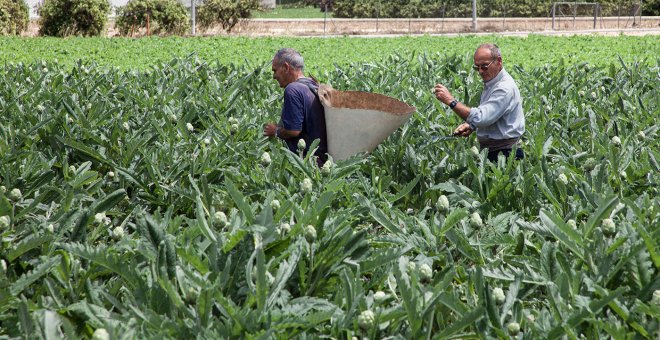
(485, 8)
(162, 17)
(194, 243)
(226, 13)
(14, 16)
(282, 12)
(323, 53)
(62, 18)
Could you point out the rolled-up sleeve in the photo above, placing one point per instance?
(489, 111)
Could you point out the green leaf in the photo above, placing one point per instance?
(33, 275)
(565, 234)
(381, 257)
(603, 211)
(452, 219)
(462, 245)
(202, 222)
(5, 205)
(285, 270)
(108, 202)
(465, 321)
(240, 201)
(84, 149)
(408, 294)
(406, 190)
(28, 243)
(378, 214)
(124, 267)
(594, 307)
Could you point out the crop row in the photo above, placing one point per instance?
(324, 53)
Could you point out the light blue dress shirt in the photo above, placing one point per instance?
(499, 114)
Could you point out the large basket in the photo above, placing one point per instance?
(357, 122)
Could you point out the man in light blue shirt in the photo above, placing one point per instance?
(499, 119)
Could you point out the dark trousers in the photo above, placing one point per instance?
(492, 156)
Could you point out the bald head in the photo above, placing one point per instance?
(488, 61)
(492, 49)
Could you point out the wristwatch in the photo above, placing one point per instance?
(453, 104)
(277, 131)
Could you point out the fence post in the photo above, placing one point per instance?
(554, 4)
(377, 15)
(504, 17)
(574, 14)
(595, 13)
(192, 15)
(474, 15)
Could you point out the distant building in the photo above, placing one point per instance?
(270, 4)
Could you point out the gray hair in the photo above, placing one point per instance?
(291, 57)
(494, 50)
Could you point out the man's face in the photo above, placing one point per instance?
(484, 63)
(281, 72)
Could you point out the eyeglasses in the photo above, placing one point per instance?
(482, 67)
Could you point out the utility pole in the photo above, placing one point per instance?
(474, 15)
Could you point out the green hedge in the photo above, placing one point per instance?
(62, 18)
(164, 17)
(14, 16)
(485, 8)
(227, 13)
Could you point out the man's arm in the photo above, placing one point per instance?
(292, 116)
(491, 110)
(443, 95)
(272, 129)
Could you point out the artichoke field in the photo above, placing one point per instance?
(148, 205)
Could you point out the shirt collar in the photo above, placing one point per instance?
(497, 78)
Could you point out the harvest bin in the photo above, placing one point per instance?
(358, 121)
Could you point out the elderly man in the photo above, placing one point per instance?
(302, 116)
(499, 119)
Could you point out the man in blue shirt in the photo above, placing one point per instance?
(302, 113)
(499, 119)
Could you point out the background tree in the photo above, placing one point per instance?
(163, 16)
(227, 13)
(14, 16)
(73, 17)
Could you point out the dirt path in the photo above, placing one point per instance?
(445, 27)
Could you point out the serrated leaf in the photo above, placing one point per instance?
(33, 275)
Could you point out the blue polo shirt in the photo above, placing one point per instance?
(302, 111)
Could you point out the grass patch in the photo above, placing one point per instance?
(291, 13)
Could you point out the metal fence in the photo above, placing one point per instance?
(560, 16)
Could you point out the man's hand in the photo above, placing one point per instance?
(443, 94)
(270, 129)
(463, 130)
